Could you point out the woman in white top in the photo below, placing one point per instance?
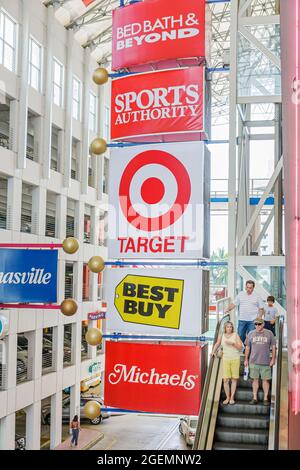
(231, 345)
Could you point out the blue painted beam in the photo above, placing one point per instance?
(254, 201)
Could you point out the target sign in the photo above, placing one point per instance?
(157, 196)
(156, 190)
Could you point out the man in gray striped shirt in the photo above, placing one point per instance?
(250, 305)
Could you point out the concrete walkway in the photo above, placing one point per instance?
(87, 438)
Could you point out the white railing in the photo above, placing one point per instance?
(67, 359)
(48, 364)
(3, 377)
(221, 305)
(24, 370)
(219, 187)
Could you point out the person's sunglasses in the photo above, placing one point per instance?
(257, 324)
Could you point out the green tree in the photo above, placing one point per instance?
(218, 274)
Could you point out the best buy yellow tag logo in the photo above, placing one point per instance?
(151, 301)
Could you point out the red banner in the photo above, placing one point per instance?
(158, 30)
(158, 103)
(153, 377)
(87, 2)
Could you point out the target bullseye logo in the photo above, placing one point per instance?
(170, 187)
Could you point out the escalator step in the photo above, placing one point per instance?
(237, 446)
(244, 383)
(226, 420)
(242, 436)
(244, 394)
(243, 408)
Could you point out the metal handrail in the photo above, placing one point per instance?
(275, 392)
(207, 383)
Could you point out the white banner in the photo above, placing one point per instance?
(154, 301)
(156, 197)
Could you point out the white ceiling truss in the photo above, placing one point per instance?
(92, 28)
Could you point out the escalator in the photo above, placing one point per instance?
(240, 426)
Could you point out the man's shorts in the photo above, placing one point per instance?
(257, 371)
(231, 368)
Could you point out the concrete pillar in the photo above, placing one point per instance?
(13, 124)
(79, 221)
(11, 360)
(14, 200)
(76, 357)
(61, 280)
(46, 143)
(33, 426)
(85, 122)
(58, 347)
(39, 200)
(7, 432)
(35, 350)
(61, 216)
(23, 87)
(68, 111)
(56, 420)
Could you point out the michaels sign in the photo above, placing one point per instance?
(28, 276)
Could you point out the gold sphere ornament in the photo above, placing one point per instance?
(98, 146)
(100, 76)
(70, 245)
(68, 307)
(92, 409)
(96, 264)
(93, 336)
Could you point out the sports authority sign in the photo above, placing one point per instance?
(158, 30)
(155, 103)
(151, 377)
(154, 301)
(156, 197)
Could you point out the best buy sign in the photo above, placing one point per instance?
(146, 300)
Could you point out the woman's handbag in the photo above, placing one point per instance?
(219, 353)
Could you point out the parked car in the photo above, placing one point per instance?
(46, 412)
(187, 427)
(20, 442)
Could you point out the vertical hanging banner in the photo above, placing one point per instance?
(154, 301)
(290, 57)
(155, 378)
(156, 195)
(156, 103)
(158, 30)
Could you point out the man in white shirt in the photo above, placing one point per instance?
(250, 306)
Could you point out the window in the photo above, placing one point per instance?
(50, 214)
(69, 280)
(3, 202)
(58, 82)
(76, 98)
(102, 229)
(87, 224)
(93, 112)
(70, 229)
(26, 208)
(8, 41)
(86, 283)
(55, 154)
(35, 64)
(75, 159)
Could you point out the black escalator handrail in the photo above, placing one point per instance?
(278, 382)
(204, 394)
